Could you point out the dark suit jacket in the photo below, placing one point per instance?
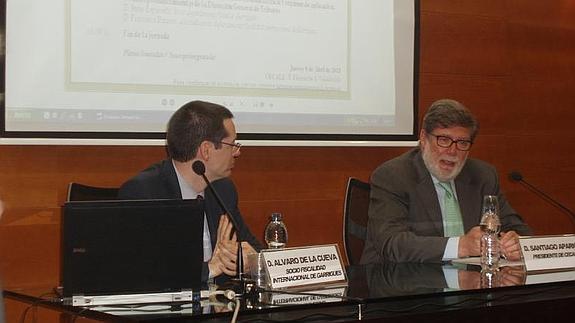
(405, 222)
(160, 181)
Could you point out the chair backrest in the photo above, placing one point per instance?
(81, 192)
(355, 219)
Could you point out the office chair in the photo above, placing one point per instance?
(355, 212)
(81, 192)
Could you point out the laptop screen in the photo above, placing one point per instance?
(121, 247)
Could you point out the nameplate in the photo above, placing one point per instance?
(307, 267)
(548, 252)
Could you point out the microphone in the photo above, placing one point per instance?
(516, 176)
(199, 168)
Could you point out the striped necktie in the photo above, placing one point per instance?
(452, 222)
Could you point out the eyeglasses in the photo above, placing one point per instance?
(446, 142)
(235, 146)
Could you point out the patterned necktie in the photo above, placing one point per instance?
(452, 223)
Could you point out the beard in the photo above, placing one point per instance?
(432, 162)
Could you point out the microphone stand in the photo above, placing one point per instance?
(240, 261)
(200, 169)
(517, 177)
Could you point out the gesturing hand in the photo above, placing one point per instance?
(224, 255)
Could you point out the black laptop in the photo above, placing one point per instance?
(119, 252)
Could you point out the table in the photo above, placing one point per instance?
(390, 292)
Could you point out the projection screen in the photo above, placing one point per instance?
(333, 72)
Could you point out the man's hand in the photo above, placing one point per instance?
(510, 247)
(224, 255)
(469, 244)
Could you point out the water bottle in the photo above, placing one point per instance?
(490, 226)
(276, 233)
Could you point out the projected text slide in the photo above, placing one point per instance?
(277, 44)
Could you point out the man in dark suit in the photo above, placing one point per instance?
(426, 204)
(201, 131)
